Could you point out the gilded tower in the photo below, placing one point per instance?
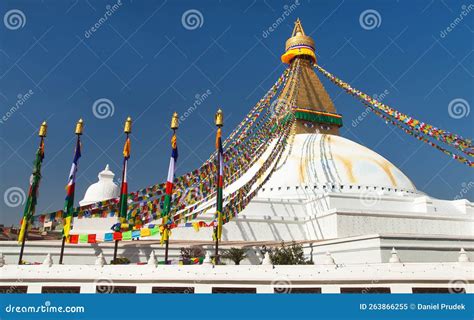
(313, 108)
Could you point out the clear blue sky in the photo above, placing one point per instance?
(148, 64)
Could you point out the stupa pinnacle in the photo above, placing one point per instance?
(314, 109)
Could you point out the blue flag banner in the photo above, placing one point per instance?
(238, 306)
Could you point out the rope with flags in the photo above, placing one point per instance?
(184, 193)
(188, 196)
(410, 125)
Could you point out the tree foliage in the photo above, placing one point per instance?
(235, 254)
(288, 255)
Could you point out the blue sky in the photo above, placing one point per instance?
(148, 64)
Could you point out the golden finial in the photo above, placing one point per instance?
(174, 121)
(298, 29)
(79, 126)
(219, 118)
(43, 129)
(299, 44)
(128, 125)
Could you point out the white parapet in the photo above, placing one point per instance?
(400, 277)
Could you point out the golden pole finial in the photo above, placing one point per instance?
(174, 121)
(219, 118)
(79, 127)
(43, 130)
(128, 126)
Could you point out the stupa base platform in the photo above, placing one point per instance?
(375, 248)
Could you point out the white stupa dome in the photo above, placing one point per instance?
(324, 159)
(103, 189)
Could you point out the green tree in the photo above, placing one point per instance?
(235, 254)
(289, 255)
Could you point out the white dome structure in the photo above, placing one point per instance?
(103, 189)
(327, 160)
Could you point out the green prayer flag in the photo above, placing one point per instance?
(154, 231)
(83, 238)
(127, 235)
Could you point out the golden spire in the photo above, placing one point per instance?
(298, 45)
(313, 108)
(298, 28)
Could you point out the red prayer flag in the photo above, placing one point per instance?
(74, 238)
(117, 236)
(91, 238)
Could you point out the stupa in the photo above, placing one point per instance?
(104, 189)
(329, 189)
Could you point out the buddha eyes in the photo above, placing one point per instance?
(308, 125)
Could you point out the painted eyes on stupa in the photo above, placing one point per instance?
(308, 125)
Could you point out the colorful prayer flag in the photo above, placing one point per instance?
(33, 192)
(70, 188)
(124, 187)
(169, 189)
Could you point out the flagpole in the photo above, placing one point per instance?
(34, 185)
(219, 121)
(70, 202)
(123, 197)
(169, 183)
